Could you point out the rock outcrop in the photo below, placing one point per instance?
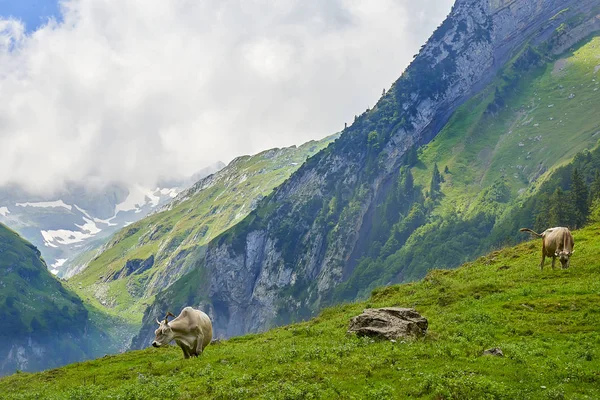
(389, 323)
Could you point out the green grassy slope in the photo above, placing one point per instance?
(175, 236)
(43, 323)
(546, 322)
(499, 149)
(538, 128)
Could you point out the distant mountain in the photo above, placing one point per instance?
(151, 254)
(79, 219)
(44, 324)
(503, 93)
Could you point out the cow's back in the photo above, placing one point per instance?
(557, 239)
(200, 319)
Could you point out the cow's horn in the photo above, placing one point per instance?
(157, 321)
(167, 315)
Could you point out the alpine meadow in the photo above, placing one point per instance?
(418, 212)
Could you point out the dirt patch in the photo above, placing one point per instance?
(559, 66)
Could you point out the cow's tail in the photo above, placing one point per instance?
(530, 231)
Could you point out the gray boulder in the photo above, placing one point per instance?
(389, 323)
(496, 351)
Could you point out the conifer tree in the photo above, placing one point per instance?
(436, 179)
(411, 156)
(595, 187)
(542, 215)
(556, 210)
(579, 198)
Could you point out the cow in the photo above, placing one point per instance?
(556, 242)
(191, 330)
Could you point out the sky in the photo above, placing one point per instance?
(137, 91)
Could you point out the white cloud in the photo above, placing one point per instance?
(136, 90)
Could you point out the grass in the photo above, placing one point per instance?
(547, 323)
(175, 235)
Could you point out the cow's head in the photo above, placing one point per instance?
(164, 333)
(564, 256)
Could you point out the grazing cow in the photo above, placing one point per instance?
(191, 330)
(556, 242)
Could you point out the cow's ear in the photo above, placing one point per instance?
(556, 253)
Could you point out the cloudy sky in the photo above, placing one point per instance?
(139, 90)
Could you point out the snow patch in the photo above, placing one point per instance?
(171, 192)
(63, 236)
(137, 198)
(94, 219)
(4, 211)
(46, 204)
(89, 226)
(57, 264)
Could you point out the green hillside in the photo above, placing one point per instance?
(499, 154)
(44, 325)
(150, 254)
(547, 324)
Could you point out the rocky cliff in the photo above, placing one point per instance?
(151, 254)
(284, 260)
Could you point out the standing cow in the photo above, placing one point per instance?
(556, 242)
(191, 330)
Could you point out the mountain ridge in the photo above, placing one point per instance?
(290, 254)
(151, 254)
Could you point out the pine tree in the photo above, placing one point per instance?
(411, 156)
(579, 198)
(595, 187)
(556, 209)
(542, 213)
(406, 186)
(436, 179)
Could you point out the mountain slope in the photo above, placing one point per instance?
(80, 218)
(326, 225)
(151, 254)
(498, 162)
(547, 323)
(44, 324)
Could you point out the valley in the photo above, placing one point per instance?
(493, 127)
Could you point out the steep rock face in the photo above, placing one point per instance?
(282, 262)
(150, 255)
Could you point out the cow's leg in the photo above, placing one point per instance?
(542, 262)
(200, 340)
(184, 348)
(553, 261)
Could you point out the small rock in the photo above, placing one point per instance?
(572, 96)
(388, 323)
(493, 352)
